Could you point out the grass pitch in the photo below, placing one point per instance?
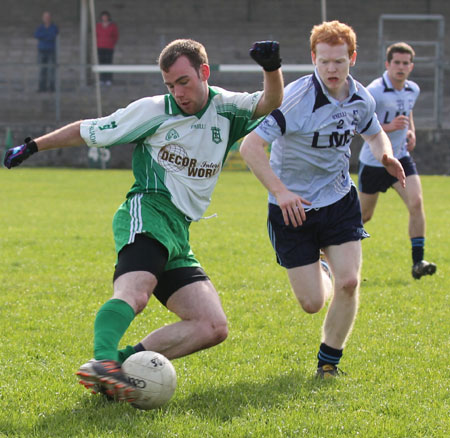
(56, 264)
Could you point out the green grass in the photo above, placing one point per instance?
(56, 264)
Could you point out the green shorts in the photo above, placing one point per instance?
(154, 215)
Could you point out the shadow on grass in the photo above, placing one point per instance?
(218, 403)
(224, 402)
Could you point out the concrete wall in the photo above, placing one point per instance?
(227, 28)
(432, 154)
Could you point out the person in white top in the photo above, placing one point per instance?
(182, 139)
(395, 96)
(313, 204)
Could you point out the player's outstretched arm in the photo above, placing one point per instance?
(381, 148)
(66, 136)
(253, 153)
(399, 122)
(267, 55)
(14, 156)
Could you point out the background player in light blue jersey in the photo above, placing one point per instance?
(182, 139)
(395, 97)
(313, 204)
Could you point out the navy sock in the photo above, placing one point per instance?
(126, 352)
(418, 248)
(328, 355)
(139, 347)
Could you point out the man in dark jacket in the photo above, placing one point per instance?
(46, 35)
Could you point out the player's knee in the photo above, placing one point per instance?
(140, 301)
(416, 204)
(214, 332)
(136, 299)
(312, 305)
(220, 333)
(135, 289)
(348, 285)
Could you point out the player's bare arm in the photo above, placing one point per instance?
(381, 148)
(272, 95)
(267, 55)
(253, 152)
(411, 134)
(399, 122)
(67, 136)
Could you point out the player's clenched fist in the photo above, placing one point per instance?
(267, 54)
(16, 155)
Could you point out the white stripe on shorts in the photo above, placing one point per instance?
(271, 234)
(136, 217)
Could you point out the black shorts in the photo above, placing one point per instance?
(334, 224)
(373, 179)
(146, 254)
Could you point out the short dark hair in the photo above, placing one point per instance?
(400, 47)
(193, 50)
(106, 13)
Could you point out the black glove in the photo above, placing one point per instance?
(267, 54)
(16, 155)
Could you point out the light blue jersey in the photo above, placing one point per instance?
(391, 103)
(311, 134)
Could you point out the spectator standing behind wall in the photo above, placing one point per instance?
(46, 35)
(107, 36)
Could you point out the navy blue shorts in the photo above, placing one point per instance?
(332, 225)
(373, 179)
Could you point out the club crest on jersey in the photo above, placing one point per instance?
(216, 138)
(172, 135)
(400, 105)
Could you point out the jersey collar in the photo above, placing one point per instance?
(172, 109)
(323, 97)
(388, 87)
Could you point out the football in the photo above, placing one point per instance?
(154, 375)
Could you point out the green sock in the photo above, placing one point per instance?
(111, 323)
(125, 353)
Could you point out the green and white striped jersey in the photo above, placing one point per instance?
(177, 154)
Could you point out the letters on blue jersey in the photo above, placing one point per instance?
(398, 105)
(340, 137)
(311, 134)
(391, 103)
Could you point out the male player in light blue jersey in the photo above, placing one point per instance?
(182, 139)
(313, 204)
(395, 97)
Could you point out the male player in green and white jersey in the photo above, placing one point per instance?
(182, 140)
(395, 97)
(313, 204)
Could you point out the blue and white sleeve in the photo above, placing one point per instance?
(272, 127)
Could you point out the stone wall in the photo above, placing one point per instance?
(227, 28)
(432, 154)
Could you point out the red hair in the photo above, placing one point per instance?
(333, 33)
